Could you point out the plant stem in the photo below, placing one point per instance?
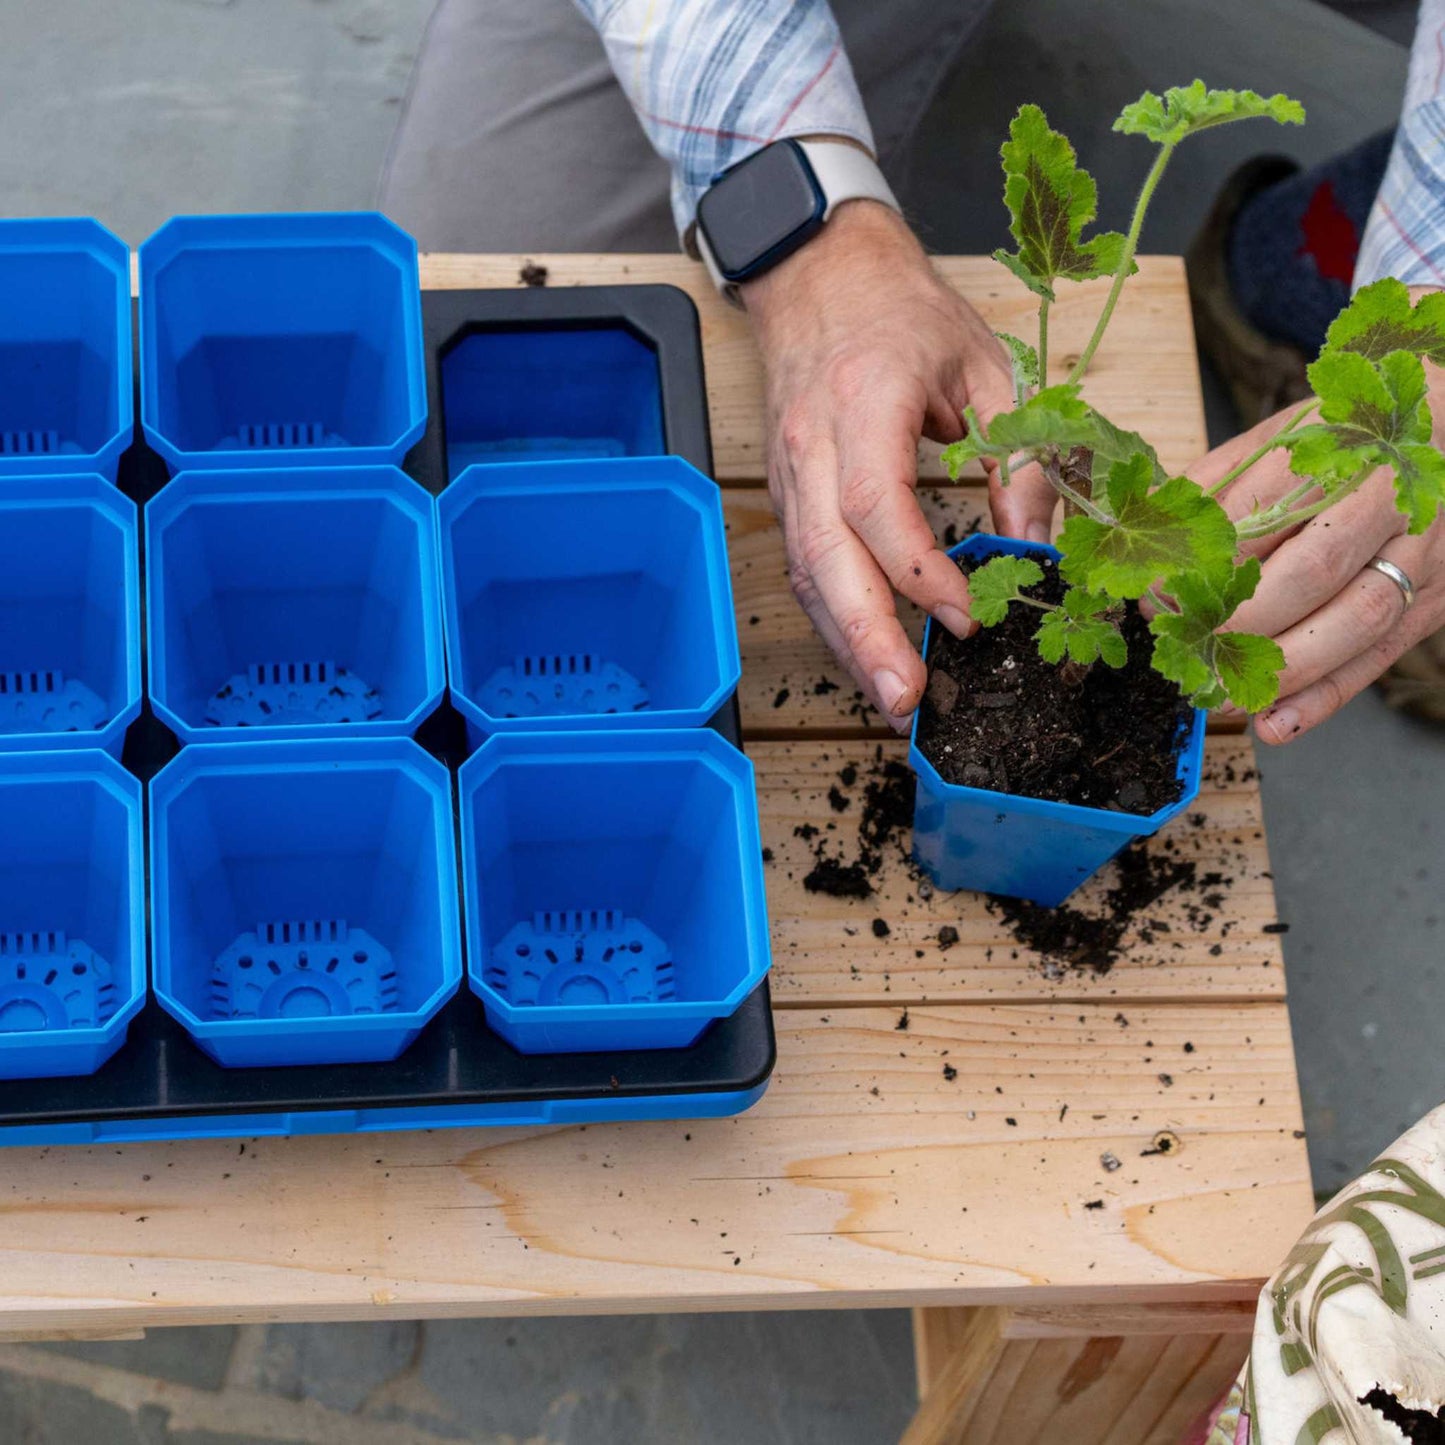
(1161, 601)
(1277, 440)
(1281, 520)
(1035, 603)
(1043, 341)
(1076, 499)
(1131, 242)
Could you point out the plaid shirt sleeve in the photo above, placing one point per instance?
(714, 80)
(1405, 235)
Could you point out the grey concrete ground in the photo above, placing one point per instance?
(132, 110)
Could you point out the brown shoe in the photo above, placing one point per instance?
(1263, 376)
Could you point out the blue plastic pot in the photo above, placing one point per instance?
(302, 602)
(65, 348)
(614, 887)
(70, 668)
(550, 393)
(72, 912)
(281, 340)
(304, 899)
(589, 594)
(991, 842)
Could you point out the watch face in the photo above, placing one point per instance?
(758, 207)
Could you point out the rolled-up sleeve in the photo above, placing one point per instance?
(714, 80)
(1405, 236)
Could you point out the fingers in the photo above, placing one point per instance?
(1314, 564)
(1025, 506)
(877, 450)
(1340, 649)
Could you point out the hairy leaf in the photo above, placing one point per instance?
(1154, 533)
(1184, 110)
(1025, 361)
(1054, 416)
(1380, 319)
(1208, 665)
(997, 583)
(1084, 639)
(1050, 200)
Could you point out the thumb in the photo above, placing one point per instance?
(1024, 506)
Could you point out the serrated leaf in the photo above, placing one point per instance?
(1080, 603)
(1184, 110)
(1024, 360)
(1050, 200)
(1380, 319)
(1113, 444)
(1207, 665)
(1173, 528)
(996, 584)
(1085, 640)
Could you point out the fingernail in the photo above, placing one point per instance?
(890, 689)
(1037, 532)
(1283, 724)
(955, 619)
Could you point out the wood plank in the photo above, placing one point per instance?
(1202, 940)
(791, 681)
(866, 1176)
(1150, 341)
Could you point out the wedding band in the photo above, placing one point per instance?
(1388, 569)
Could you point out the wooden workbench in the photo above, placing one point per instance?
(956, 1165)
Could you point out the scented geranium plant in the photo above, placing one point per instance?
(1131, 531)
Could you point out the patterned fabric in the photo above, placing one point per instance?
(714, 80)
(1406, 233)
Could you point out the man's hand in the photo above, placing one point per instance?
(1340, 622)
(866, 349)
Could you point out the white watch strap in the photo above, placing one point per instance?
(844, 173)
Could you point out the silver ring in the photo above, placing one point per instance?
(1386, 568)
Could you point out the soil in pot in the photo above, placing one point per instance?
(997, 716)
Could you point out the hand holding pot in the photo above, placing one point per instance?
(866, 350)
(1340, 621)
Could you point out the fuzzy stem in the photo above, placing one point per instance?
(1131, 242)
(1161, 601)
(1043, 341)
(1265, 526)
(1277, 440)
(1075, 499)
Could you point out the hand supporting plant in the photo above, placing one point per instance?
(1131, 531)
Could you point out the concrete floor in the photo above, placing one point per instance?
(132, 110)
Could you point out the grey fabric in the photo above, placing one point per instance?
(516, 137)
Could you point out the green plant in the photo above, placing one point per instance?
(1131, 531)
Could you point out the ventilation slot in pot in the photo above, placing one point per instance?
(29, 443)
(49, 981)
(270, 693)
(44, 700)
(553, 684)
(283, 434)
(580, 957)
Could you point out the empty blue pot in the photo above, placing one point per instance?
(587, 594)
(288, 340)
(990, 842)
(65, 348)
(72, 912)
(305, 603)
(304, 898)
(539, 393)
(614, 887)
(70, 666)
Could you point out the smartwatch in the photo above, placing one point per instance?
(759, 211)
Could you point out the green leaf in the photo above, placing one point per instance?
(1050, 200)
(1380, 319)
(1054, 416)
(1208, 665)
(1084, 639)
(1183, 110)
(996, 584)
(1113, 444)
(1025, 362)
(1173, 528)
(1373, 414)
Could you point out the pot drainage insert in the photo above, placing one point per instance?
(46, 701)
(304, 970)
(561, 685)
(49, 981)
(582, 957)
(277, 693)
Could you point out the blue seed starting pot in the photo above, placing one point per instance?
(302, 603)
(587, 594)
(70, 660)
(304, 901)
(281, 340)
(72, 912)
(65, 348)
(614, 887)
(991, 842)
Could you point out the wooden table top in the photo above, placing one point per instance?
(950, 1121)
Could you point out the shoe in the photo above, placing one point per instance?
(1416, 683)
(1263, 376)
